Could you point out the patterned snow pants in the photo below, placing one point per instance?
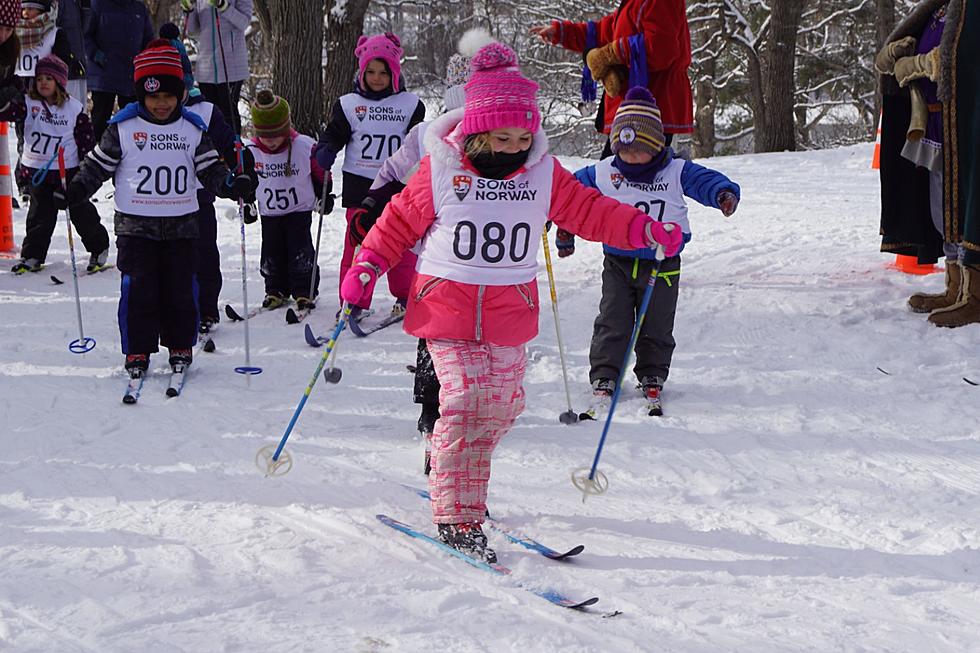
(481, 396)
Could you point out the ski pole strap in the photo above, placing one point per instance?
(239, 163)
(591, 41)
(42, 173)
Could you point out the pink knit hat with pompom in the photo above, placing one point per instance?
(386, 47)
(497, 95)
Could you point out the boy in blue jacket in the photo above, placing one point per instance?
(643, 173)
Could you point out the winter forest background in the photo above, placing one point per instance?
(767, 76)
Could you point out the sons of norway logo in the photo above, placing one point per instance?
(139, 139)
(34, 111)
(617, 179)
(360, 112)
(462, 185)
(151, 85)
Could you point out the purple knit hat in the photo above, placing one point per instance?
(52, 65)
(386, 47)
(497, 95)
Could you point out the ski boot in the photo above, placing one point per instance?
(304, 303)
(137, 364)
(468, 538)
(652, 387)
(180, 357)
(398, 309)
(97, 261)
(27, 265)
(206, 324)
(273, 300)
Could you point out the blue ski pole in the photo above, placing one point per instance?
(591, 480)
(276, 462)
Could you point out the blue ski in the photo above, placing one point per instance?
(314, 340)
(515, 536)
(361, 332)
(133, 388)
(548, 595)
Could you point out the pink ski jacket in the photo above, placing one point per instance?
(501, 315)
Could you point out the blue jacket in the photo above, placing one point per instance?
(117, 31)
(699, 183)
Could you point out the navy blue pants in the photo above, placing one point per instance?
(158, 303)
(287, 255)
(208, 258)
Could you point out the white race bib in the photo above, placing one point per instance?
(156, 174)
(46, 128)
(27, 61)
(285, 180)
(378, 128)
(486, 231)
(662, 199)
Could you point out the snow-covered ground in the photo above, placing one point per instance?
(793, 498)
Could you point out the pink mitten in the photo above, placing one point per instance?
(358, 284)
(647, 232)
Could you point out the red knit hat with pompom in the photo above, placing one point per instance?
(497, 95)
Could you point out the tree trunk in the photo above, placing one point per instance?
(344, 26)
(296, 48)
(704, 123)
(780, 79)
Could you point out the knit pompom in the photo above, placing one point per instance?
(472, 40)
(169, 31)
(640, 94)
(495, 55)
(265, 98)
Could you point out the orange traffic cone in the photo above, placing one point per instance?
(876, 158)
(7, 248)
(911, 265)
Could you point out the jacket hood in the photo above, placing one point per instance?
(444, 141)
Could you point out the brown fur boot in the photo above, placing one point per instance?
(926, 303)
(967, 309)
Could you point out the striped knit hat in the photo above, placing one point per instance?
(157, 69)
(458, 66)
(637, 126)
(497, 95)
(9, 12)
(270, 115)
(55, 68)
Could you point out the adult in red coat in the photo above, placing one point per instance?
(643, 43)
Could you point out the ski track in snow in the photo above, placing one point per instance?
(793, 497)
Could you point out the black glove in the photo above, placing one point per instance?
(325, 204)
(241, 188)
(249, 213)
(7, 94)
(62, 200)
(360, 224)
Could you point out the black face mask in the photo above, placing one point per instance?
(497, 165)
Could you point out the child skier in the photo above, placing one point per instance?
(370, 124)
(153, 150)
(480, 197)
(391, 179)
(53, 120)
(289, 185)
(643, 173)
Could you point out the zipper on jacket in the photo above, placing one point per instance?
(428, 287)
(525, 292)
(479, 312)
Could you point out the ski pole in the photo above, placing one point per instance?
(83, 344)
(247, 369)
(591, 480)
(279, 463)
(333, 374)
(569, 416)
(316, 251)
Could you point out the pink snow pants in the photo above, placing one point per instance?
(399, 277)
(481, 396)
